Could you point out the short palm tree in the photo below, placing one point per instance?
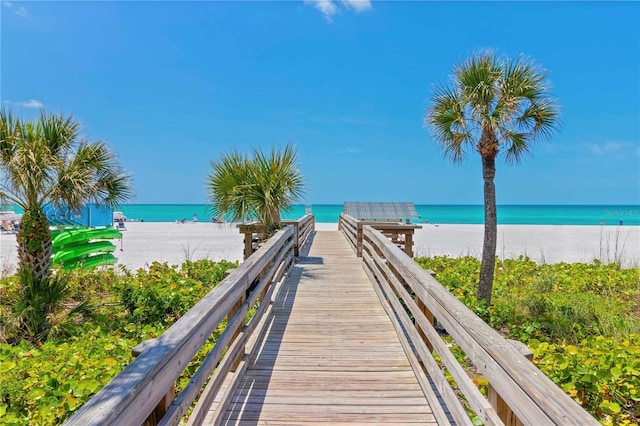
(257, 186)
(48, 161)
(493, 106)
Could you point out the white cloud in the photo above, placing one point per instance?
(327, 7)
(358, 5)
(31, 103)
(330, 7)
(616, 149)
(21, 11)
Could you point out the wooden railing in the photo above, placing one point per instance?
(251, 230)
(399, 233)
(303, 227)
(143, 391)
(519, 393)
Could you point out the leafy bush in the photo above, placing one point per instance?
(601, 374)
(582, 322)
(164, 293)
(51, 380)
(35, 308)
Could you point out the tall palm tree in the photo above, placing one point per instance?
(47, 160)
(257, 186)
(494, 105)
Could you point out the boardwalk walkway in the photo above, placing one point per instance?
(329, 352)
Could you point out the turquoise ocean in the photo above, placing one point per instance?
(438, 214)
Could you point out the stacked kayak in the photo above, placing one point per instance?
(85, 247)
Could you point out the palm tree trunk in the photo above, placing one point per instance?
(34, 242)
(485, 286)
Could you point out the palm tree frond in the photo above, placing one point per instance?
(260, 186)
(519, 147)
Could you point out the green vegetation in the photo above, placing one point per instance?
(582, 321)
(495, 105)
(45, 383)
(256, 187)
(49, 161)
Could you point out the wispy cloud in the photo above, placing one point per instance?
(614, 149)
(31, 103)
(330, 7)
(358, 5)
(20, 11)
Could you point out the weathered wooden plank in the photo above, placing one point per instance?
(331, 417)
(332, 422)
(533, 397)
(426, 357)
(329, 352)
(133, 393)
(337, 393)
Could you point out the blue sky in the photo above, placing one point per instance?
(173, 85)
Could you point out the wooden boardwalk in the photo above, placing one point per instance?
(329, 352)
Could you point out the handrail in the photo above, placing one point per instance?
(303, 228)
(132, 396)
(400, 234)
(520, 389)
(252, 233)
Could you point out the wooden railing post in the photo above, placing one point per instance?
(505, 412)
(408, 242)
(430, 318)
(359, 240)
(163, 405)
(248, 245)
(231, 314)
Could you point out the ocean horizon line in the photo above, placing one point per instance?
(516, 214)
(508, 214)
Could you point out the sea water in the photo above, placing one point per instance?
(437, 214)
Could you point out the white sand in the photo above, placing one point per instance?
(144, 242)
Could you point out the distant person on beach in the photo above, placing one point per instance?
(621, 222)
(195, 218)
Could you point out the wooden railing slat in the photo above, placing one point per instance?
(133, 393)
(436, 375)
(477, 401)
(533, 397)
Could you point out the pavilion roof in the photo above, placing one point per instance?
(382, 211)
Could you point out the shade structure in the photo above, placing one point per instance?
(385, 211)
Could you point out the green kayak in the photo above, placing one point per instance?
(73, 236)
(73, 253)
(91, 261)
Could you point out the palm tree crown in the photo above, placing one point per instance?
(48, 161)
(493, 106)
(257, 186)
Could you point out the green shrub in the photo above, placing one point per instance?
(45, 384)
(164, 293)
(601, 374)
(581, 320)
(35, 308)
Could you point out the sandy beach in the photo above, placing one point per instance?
(145, 242)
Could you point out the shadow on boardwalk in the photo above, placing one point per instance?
(328, 351)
